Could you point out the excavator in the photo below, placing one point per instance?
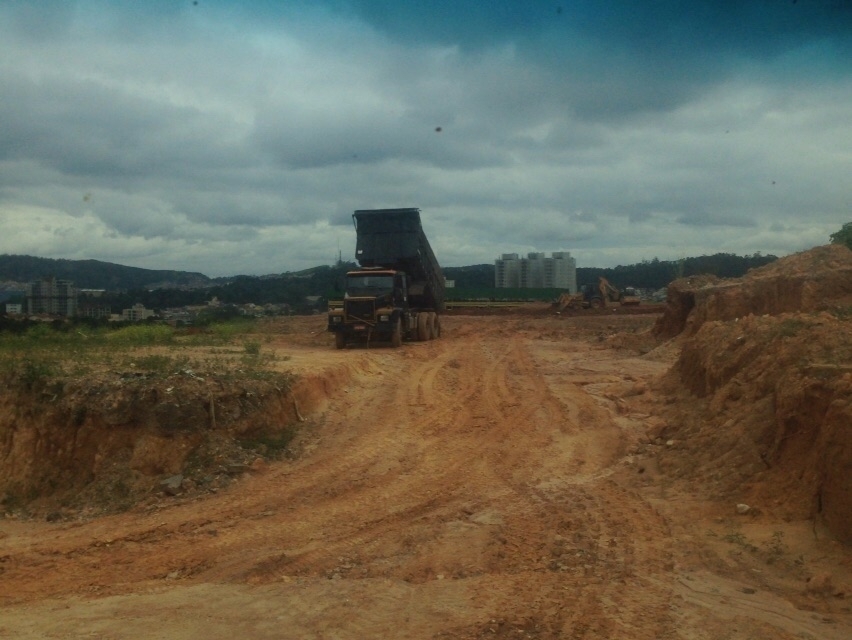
(596, 297)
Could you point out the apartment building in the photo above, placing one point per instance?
(136, 313)
(52, 296)
(536, 271)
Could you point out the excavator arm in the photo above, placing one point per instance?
(608, 292)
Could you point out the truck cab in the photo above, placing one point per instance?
(374, 307)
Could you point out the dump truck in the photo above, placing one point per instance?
(398, 292)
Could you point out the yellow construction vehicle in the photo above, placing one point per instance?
(626, 296)
(596, 297)
(570, 301)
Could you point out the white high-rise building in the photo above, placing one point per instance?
(52, 296)
(507, 272)
(536, 271)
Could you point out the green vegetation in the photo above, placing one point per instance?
(790, 327)
(843, 236)
(272, 445)
(252, 348)
(141, 335)
(497, 295)
(299, 291)
(478, 280)
(41, 354)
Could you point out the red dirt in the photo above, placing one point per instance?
(525, 476)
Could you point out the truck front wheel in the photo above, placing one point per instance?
(396, 336)
(436, 326)
(340, 340)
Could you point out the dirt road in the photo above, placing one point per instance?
(495, 483)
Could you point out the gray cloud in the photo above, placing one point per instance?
(228, 139)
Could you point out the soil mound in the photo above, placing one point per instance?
(760, 398)
(815, 280)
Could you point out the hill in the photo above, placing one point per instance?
(159, 289)
(94, 274)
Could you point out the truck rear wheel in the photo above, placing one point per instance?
(433, 330)
(436, 326)
(423, 329)
(339, 340)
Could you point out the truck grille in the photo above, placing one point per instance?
(364, 310)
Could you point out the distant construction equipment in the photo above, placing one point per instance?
(597, 296)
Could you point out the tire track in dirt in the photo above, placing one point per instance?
(454, 466)
(416, 434)
(527, 401)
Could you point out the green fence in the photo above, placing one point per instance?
(502, 295)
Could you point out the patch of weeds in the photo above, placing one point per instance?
(269, 445)
(790, 327)
(842, 313)
(12, 501)
(229, 331)
(775, 547)
(252, 348)
(29, 372)
(79, 367)
(219, 351)
(116, 495)
(161, 364)
(142, 335)
(734, 538)
(200, 461)
(258, 361)
(740, 540)
(157, 363)
(218, 333)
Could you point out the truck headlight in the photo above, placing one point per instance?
(336, 319)
(384, 318)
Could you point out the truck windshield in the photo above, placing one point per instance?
(369, 285)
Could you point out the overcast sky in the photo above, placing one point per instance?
(238, 137)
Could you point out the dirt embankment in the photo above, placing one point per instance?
(760, 399)
(103, 442)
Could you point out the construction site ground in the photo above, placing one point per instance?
(513, 479)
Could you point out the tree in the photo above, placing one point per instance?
(844, 236)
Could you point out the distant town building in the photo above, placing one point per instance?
(52, 296)
(536, 271)
(136, 313)
(88, 309)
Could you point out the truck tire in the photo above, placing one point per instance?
(423, 329)
(340, 340)
(436, 327)
(433, 330)
(396, 336)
